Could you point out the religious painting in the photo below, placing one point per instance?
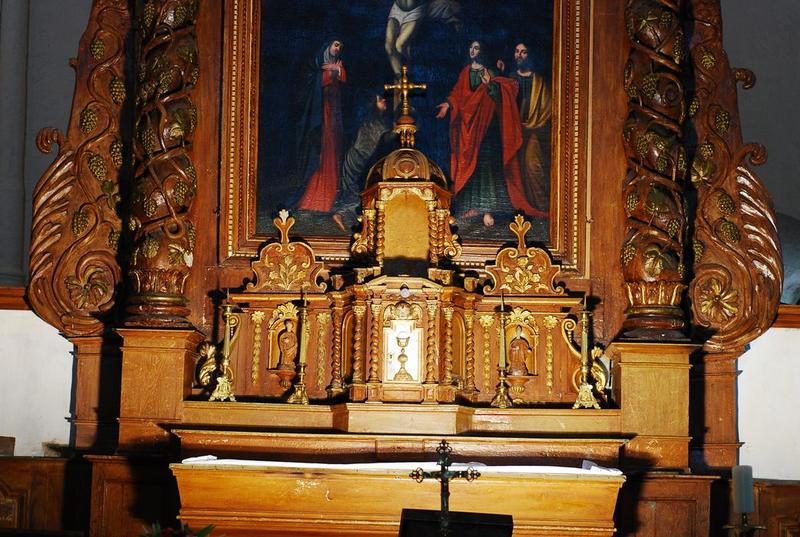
(324, 117)
(499, 91)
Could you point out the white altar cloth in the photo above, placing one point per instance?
(587, 468)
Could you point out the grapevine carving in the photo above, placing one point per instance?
(165, 180)
(74, 270)
(737, 267)
(652, 254)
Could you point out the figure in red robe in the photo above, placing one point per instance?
(321, 153)
(485, 138)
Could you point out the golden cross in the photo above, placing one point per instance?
(404, 86)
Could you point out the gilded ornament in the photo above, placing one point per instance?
(191, 236)
(650, 85)
(187, 53)
(255, 367)
(115, 152)
(698, 248)
(694, 106)
(708, 60)
(97, 165)
(656, 259)
(674, 227)
(722, 121)
(179, 192)
(166, 78)
(681, 270)
(89, 290)
(642, 146)
(147, 137)
(111, 190)
(657, 202)
(632, 200)
(80, 221)
(628, 253)
(97, 48)
(286, 274)
(179, 15)
(729, 231)
(678, 47)
(117, 90)
(706, 150)
(149, 14)
(178, 254)
(88, 120)
(149, 207)
(681, 161)
(150, 247)
(113, 239)
(666, 19)
(725, 204)
(661, 164)
(191, 174)
(702, 170)
(134, 223)
(718, 304)
(194, 76)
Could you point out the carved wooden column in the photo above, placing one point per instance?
(336, 385)
(358, 390)
(74, 272)
(653, 251)
(469, 350)
(374, 358)
(165, 180)
(737, 264)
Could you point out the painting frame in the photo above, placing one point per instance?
(569, 182)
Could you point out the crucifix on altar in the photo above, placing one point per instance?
(422, 523)
(405, 126)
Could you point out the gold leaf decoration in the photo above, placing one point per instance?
(113, 239)
(698, 248)
(628, 253)
(88, 120)
(97, 48)
(722, 121)
(655, 261)
(717, 303)
(694, 106)
(725, 204)
(97, 165)
(115, 151)
(706, 150)
(89, 290)
(150, 247)
(729, 231)
(650, 85)
(149, 207)
(708, 60)
(80, 220)
(632, 200)
(117, 90)
(179, 192)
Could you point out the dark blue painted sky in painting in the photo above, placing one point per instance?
(292, 31)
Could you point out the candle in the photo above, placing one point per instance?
(502, 331)
(742, 480)
(303, 332)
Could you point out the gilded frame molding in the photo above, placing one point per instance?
(569, 170)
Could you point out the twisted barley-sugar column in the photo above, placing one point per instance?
(652, 253)
(358, 344)
(433, 235)
(336, 351)
(376, 334)
(165, 180)
(447, 378)
(430, 359)
(469, 350)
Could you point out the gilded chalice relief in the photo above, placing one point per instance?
(324, 117)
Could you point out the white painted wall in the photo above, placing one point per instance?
(769, 421)
(35, 383)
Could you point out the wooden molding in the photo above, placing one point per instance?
(788, 316)
(13, 298)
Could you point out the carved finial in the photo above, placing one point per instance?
(405, 125)
(284, 223)
(520, 228)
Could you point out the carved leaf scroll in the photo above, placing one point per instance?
(522, 270)
(737, 259)
(74, 272)
(286, 266)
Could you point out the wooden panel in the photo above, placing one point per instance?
(788, 316)
(13, 298)
(130, 494)
(666, 505)
(778, 507)
(42, 493)
(254, 501)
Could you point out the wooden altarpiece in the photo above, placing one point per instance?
(645, 120)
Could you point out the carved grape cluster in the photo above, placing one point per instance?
(97, 48)
(628, 253)
(80, 221)
(729, 231)
(88, 120)
(115, 151)
(117, 89)
(97, 165)
(725, 204)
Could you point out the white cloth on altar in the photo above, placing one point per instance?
(587, 468)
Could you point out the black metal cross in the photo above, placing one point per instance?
(444, 475)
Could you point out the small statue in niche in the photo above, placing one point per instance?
(520, 355)
(287, 343)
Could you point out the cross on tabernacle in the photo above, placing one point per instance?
(404, 86)
(444, 475)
